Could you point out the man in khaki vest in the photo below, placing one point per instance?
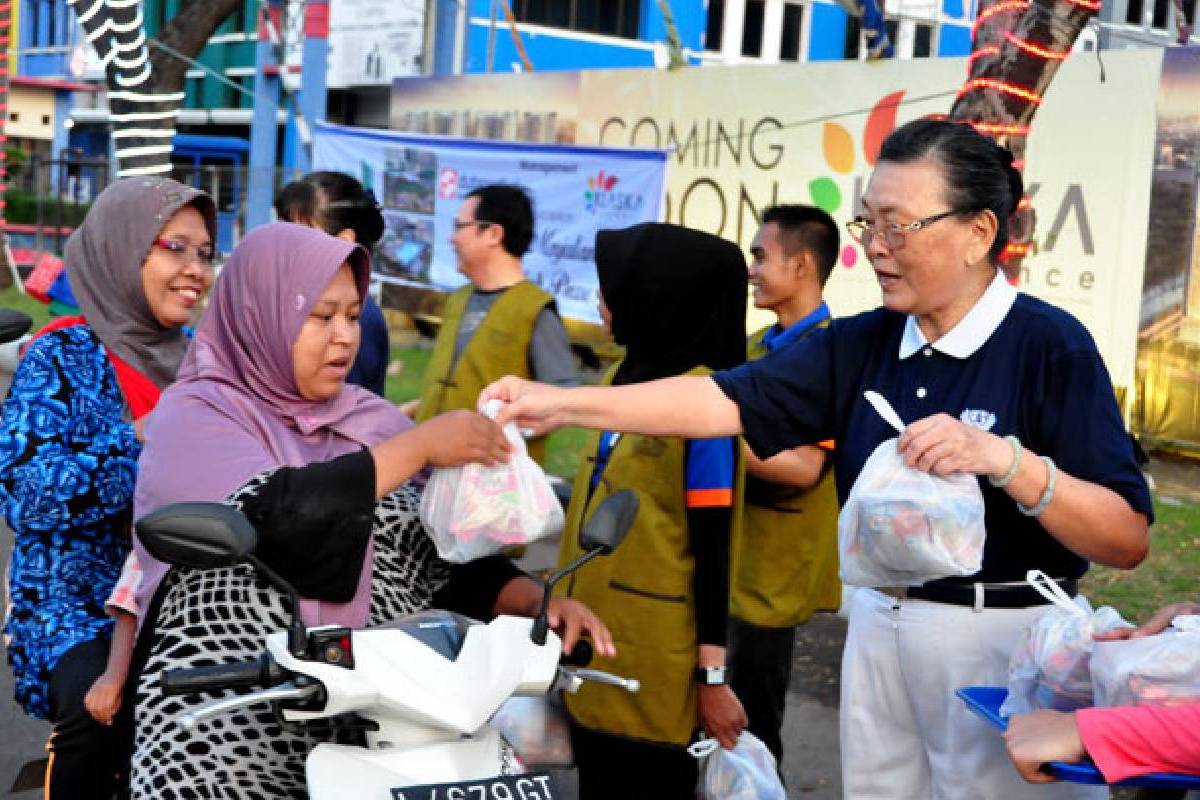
(785, 563)
(499, 324)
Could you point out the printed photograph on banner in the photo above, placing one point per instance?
(543, 109)
(406, 248)
(1166, 405)
(1169, 248)
(409, 179)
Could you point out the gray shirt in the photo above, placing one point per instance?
(550, 359)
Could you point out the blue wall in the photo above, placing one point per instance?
(566, 51)
(828, 39)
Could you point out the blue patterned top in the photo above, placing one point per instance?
(68, 459)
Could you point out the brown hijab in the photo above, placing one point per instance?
(104, 258)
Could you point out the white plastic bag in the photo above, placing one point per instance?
(1051, 666)
(1162, 670)
(901, 526)
(475, 511)
(747, 772)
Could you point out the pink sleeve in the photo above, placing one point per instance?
(124, 593)
(1136, 740)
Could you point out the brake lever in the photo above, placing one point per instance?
(284, 691)
(571, 678)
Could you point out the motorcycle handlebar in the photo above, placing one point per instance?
(580, 655)
(262, 671)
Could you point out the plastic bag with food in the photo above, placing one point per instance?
(901, 526)
(1051, 667)
(474, 510)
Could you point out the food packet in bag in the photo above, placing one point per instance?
(474, 510)
(1051, 667)
(1161, 670)
(747, 772)
(901, 526)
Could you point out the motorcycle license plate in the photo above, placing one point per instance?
(530, 786)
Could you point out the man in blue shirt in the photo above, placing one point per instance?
(785, 566)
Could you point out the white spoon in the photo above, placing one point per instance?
(885, 410)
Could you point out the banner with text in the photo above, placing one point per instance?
(421, 180)
(748, 136)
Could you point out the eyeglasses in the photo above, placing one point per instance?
(863, 230)
(202, 254)
(459, 224)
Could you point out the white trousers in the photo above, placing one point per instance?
(904, 733)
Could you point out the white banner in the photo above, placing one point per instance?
(421, 180)
(373, 41)
(748, 136)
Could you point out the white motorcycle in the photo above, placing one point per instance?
(424, 688)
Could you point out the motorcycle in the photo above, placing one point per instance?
(423, 688)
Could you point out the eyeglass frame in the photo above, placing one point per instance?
(861, 231)
(459, 224)
(186, 251)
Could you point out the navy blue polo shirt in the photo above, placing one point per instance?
(1033, 371)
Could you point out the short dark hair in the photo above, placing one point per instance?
(332, 201)
(509, 207)
(979, 173)
(807, 228)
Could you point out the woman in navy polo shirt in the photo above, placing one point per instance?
(994, 383)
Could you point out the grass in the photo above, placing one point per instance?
(15, 299)
(563, 449)
(1169, 574)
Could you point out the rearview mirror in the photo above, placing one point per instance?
(609, 523)
(197, 535)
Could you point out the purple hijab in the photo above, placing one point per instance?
(235, 411)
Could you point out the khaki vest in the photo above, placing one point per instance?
(643, 591)
(785, 565)
(499, 347)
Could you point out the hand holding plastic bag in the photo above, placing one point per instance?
(901, 526)
(1160, 670)
(1051, 666)
(474, 510)
(747, 772)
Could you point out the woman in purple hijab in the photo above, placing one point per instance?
(261, 417)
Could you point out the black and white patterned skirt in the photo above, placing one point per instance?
(208, 617)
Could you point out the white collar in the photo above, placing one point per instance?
(973, 330)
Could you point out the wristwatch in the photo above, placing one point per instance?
(710, 676)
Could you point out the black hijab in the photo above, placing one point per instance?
(677, 297)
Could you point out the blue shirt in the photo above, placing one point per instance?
(1014, 365)
(68, 459)
(779, 337)
(710, 470)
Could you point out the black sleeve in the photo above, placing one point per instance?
(708, 532)
(473, 587)
(314, 523)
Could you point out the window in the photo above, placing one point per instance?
(716, 24)
(752, 29)
(892, 26)
(35, 11)
(789, 38)
(923, 41)
(1133, 12)
(51, 33)
(1189, 12)
(1160, 15)
(609, 17)
(853, 37)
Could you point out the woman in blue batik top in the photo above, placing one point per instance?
(69, 443)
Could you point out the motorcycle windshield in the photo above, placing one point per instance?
(441, 631)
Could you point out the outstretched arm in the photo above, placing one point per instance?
(687, 406)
